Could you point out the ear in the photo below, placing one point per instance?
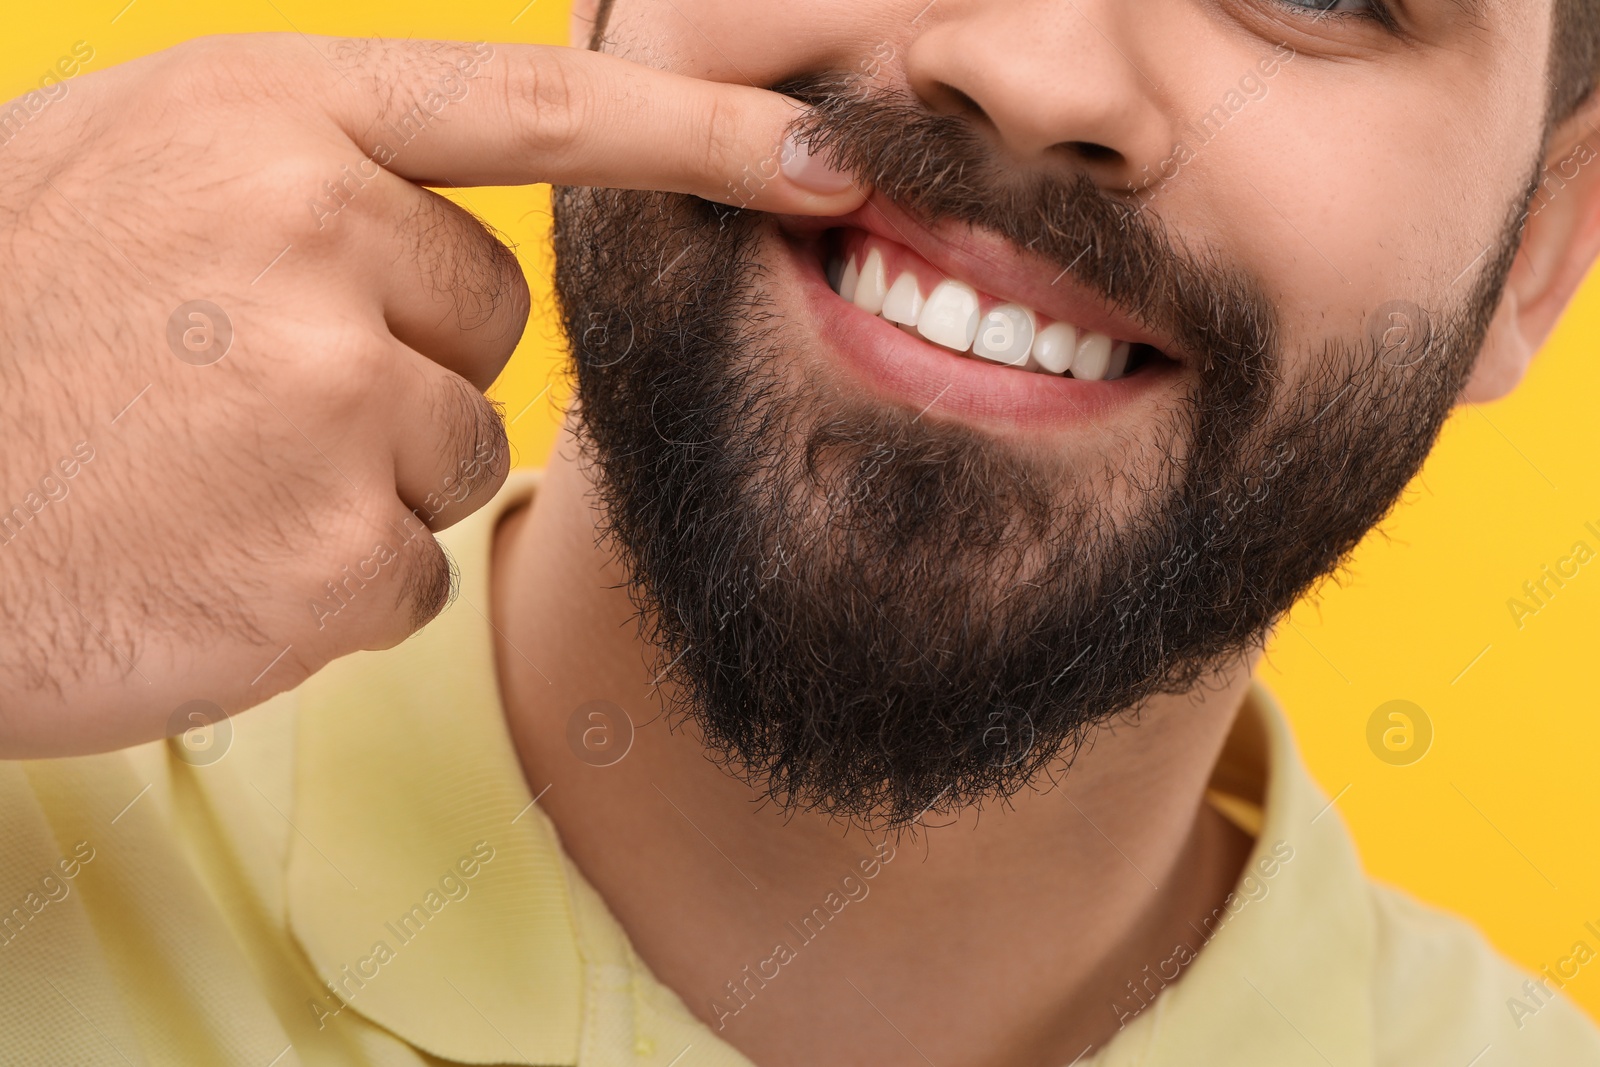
(1560, 242)
(580, 30)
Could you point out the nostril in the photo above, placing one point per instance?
(1090, 152)
(952, 101)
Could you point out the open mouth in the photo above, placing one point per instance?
(887, 279)
(955, 321)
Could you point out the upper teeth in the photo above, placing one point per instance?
(952, 316)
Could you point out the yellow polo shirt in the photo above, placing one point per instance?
(362, 877)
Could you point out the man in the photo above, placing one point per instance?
(866, 679)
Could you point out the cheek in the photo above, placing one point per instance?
(1345, 208)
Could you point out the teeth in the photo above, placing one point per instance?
(950, 317)
(873, 285)
(1005, 335)
(1119, 360)
(1093, 357)
(904, 302)
(1055, 346)
(847, 282)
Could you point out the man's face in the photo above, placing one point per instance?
(884, 575)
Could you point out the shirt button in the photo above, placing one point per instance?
(643, 1046)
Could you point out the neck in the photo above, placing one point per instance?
(1020, 937)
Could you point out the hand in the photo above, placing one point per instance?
(242, 349)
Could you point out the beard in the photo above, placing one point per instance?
(871, 613)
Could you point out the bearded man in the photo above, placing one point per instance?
(963, 391)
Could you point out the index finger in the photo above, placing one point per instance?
(446, 113)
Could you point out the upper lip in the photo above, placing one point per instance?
(993, 265)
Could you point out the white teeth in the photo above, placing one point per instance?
(1055, 346)
(847, 281)
(904, 302)
(1120, 352)
(950, 317)
(873, 284)
(1005, 335)
(1093, 357)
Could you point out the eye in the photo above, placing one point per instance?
(1336, 7)
(1375, 10)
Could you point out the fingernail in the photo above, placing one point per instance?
(809, 171)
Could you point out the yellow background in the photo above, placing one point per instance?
(1498, 821)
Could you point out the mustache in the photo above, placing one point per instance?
(943, 168)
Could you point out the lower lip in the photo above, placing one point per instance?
(931, 379)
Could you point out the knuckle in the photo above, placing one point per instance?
(335, 376)
(550, 104)
(341, 542)
(478, 456)
(504, 286)
(720, 125)
(428, 582)
(373, 582)
(205, 96)
(225, 49)
(478, 437)
(288, 197)
(516, 299)
(206, 72)
(466, 265)
(487, 283)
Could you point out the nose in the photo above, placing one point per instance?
(1051, 79)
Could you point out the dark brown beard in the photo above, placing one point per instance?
(870, 614)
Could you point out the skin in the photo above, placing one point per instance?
(182, 561)
(980, 944)
(937, 945)
(209, 506)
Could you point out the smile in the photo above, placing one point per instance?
(889, 280)
(956, 322)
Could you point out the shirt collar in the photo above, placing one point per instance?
(407, 780)
(1284, 970)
